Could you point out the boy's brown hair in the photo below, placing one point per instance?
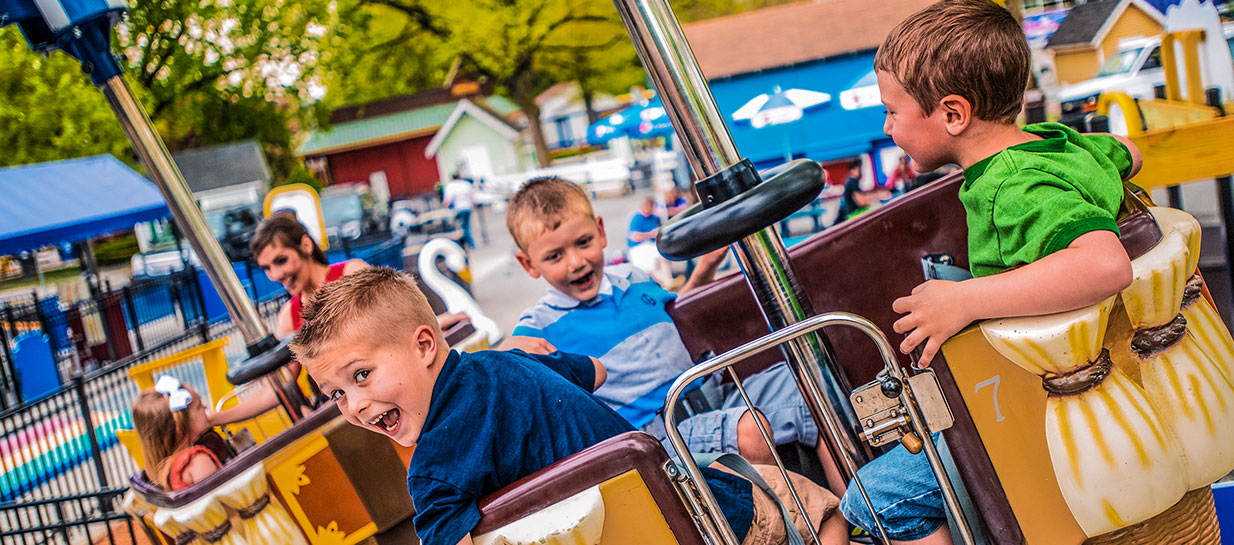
(542, 204)
(971, 48)
(375, 306)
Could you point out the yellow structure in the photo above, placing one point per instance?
(1091, 33)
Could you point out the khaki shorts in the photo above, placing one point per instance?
(767, 527)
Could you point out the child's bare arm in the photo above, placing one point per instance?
(1137, 160)
(466, 540)
(199, 467)
(1090, 269)
(705, 269)
(601, 373)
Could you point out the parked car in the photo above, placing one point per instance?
(351, 211)
(1134, 69)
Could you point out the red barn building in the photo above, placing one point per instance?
(384, 142)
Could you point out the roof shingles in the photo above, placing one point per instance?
(1082, 23)
(794, 33)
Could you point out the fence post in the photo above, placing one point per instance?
(79, 385)
(38, 311)
(203, 324)
(8, 312)
(100, 308)
(8, 371)
(128, 302)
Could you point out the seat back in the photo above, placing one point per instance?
(639, 502)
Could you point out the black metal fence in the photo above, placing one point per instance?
(60, 457)
(43, 344)
(79, 519)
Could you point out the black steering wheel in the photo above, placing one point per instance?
(265, 356)
(728, 212)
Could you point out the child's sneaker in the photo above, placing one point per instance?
(858, 536)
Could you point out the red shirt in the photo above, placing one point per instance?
(335, 273)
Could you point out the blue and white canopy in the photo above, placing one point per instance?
(779, 107)
(72, 200)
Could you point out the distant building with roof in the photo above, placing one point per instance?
(226, 175)
(563, 116)
(384, 143)
(825, 46)
(1091, 32)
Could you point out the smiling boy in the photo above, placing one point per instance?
(619, 315)
(481, 421)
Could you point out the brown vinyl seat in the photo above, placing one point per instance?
(641, 504)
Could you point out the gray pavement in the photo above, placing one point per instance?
(501, 286)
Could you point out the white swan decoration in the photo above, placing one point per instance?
(456, 298)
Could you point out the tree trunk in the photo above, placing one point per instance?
(589, 99)
(532, 111)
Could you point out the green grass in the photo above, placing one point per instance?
(49, 277)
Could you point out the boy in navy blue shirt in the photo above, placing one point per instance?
(478, 421)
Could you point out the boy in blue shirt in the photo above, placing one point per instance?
(617, 314)
(1040, 204)
(479, 421)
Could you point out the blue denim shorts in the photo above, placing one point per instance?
(772, 390)
(903, 491)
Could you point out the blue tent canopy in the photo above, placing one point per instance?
(72, 200)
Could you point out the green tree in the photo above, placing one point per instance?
(207, 71)
(600, 59)
(49, 110)
(516, 44)
(215, 71)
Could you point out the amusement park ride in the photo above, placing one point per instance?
(1105, 425)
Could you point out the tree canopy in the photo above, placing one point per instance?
(207, 71)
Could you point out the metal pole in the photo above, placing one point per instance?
(709, 148)
(184, 210)
(83, 402)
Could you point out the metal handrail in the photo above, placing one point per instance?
(728, 359)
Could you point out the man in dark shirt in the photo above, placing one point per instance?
(855, 200)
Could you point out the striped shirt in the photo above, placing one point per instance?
(627, 327)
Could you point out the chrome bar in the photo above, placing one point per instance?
(771, 446)
(800, 329)
(166, 175)
(710, 149)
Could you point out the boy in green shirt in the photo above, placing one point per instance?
(1040, 204)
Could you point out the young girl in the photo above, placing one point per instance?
(177, 439)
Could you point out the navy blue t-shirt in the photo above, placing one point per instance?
(496, 417)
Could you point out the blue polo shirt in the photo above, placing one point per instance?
(642, 224)
(627, 327)
(496, 417)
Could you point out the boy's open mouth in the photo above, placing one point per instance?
(583, 282)
(388, 420)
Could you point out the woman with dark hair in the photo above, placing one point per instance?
(288, 255)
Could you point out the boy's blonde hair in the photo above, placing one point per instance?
(375, 306)
(971, 48)
(543, 204)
